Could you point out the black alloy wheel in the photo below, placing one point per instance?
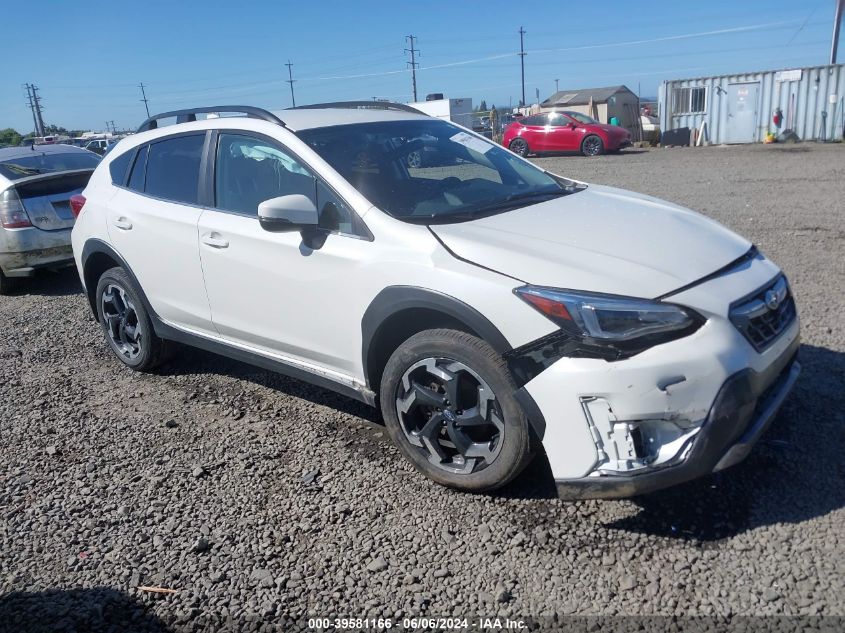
(519, 146)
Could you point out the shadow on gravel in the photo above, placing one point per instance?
(48, 283)
(622, 152)
(97, 609)
(794, 473)
(189, 361)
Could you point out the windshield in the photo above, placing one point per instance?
(430, 171)
(581, 118)
(43, 163)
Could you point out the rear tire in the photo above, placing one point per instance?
(126, 325)
(447, 400)
(7, 285)
(519, 146)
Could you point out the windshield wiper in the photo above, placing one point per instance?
(21, 169)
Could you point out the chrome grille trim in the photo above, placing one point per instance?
(764, 315)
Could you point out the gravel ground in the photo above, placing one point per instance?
(201, 479)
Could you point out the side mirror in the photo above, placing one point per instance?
(294, 212)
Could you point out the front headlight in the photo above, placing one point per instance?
(610, 318)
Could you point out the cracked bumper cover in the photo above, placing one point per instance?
(744, 407)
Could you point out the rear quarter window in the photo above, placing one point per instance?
(119, 166)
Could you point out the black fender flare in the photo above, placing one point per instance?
(395, 299)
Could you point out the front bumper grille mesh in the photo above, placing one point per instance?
(764, 315)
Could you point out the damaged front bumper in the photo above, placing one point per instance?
(744, 407)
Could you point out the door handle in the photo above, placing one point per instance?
(215, 241)
(123, 223)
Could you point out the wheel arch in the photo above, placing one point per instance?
(97, 258)
(399, 312)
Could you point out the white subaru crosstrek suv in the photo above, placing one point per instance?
(490, 308)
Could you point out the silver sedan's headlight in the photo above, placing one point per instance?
(611, 318)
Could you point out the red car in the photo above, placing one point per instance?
(564, 132)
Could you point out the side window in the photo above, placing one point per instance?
(136, 178)
(250, 170)
(537, 119)
(556, 119)
(118, 167)
(173, 168)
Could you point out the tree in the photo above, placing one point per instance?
(10, 137)
(482, 107)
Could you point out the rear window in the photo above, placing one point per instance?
(118, 168)
(43, 163)
(173, 168)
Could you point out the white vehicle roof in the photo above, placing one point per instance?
(307, 118)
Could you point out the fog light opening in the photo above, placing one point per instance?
(627, 446)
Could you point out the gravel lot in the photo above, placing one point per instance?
(193, 479)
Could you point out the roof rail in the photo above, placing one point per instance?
(190, 114)
(361, 105)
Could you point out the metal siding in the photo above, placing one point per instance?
(811, 98)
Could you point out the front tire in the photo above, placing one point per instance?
(447, 400)
(125, 322)
(592, 145)
(519, 146)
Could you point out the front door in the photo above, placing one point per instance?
(742, 112)
(278, 293)
(563, 135)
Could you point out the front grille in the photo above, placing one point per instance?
(764, 315)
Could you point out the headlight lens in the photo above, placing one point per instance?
(608, 317)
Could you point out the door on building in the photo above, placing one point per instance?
(742, 112)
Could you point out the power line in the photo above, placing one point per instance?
(522, 60)
(290, 80)
(413, 63)
(144, 98)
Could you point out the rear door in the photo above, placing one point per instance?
(152, 222)
(535, 132)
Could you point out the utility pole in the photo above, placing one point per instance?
(290, 80)
(36, 100)
(557, 87)
(32, 108)
(522, 61)
(837, 21)
(413, 63)
(144, 98)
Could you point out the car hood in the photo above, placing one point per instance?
(600, 239)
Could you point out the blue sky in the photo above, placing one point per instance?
(88, 57)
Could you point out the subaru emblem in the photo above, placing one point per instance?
(772, 300)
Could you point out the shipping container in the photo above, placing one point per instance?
(743, 108)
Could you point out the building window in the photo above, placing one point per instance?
(688, 100)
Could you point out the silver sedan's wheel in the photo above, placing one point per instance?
(450, 414)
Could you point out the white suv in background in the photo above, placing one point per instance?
(490, 308)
